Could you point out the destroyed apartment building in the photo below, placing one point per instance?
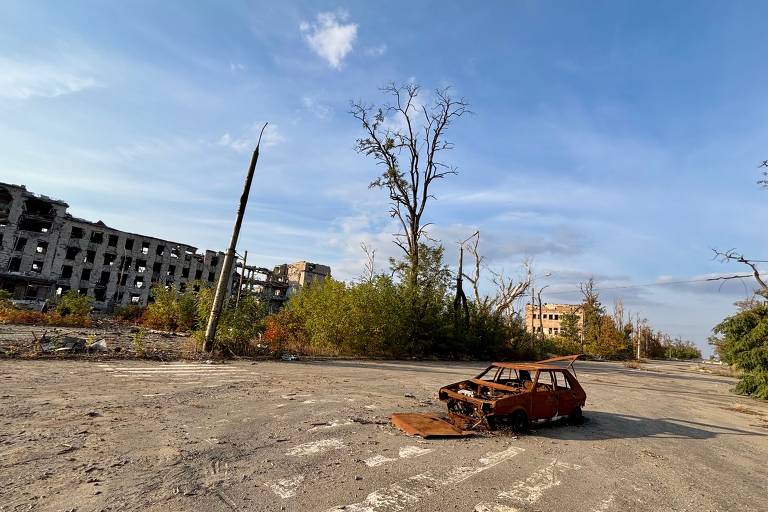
(45, 251)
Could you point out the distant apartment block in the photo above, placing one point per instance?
(548, 319)
(45, 251)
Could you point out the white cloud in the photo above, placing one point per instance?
(24, 80)
(247, 141)
(236, 66)
(317, 109)
(376, 51)
(329, 37)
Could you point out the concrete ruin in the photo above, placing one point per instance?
(45, 251)
(276, 285)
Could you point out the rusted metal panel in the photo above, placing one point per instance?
(426, 425)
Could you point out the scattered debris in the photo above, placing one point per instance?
(99, 346)
(290, 357)
(426, 425)
(409, 395)
(62, 344)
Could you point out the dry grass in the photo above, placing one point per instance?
(722, 371)
(635, 365)
(26, 317)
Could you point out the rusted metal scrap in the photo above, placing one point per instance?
(512, 395)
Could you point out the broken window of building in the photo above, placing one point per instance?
(104, 279)
(175, 252)
(61, 289)
(90, 257)
(138, 282)
(135, 298)
(100, 294)
(83, 291)
(214, 261)
(198, 274)
(157, 266)
(66, 271)
(211, 277)
(109, 259)
(140, 266)
(6, 201)
(97, 237)
(85, 275)
(15, 264)
(185, 272)
(171, 270)
(76, 233)
(38, 215)
(160, 250)
(144, 247)
(112, 240)
(125, 262)
(1, 240)
(182, 287)
(42, 247)
(123, 279)
(37, 266)
(31, 292)
(72, 253)
(129, 244)
(20, 244)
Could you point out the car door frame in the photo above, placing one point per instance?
(544, 404)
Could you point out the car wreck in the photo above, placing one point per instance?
(505, 395)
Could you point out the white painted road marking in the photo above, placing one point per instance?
(314, 447)
(406, 452)
(406, 493)
(175, 370)
(286, 487)
(532, 488)
(377, 460)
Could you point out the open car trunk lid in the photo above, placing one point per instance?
(426, 425)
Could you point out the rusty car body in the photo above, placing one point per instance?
(516, 395)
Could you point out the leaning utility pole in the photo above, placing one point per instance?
(242, 275)
(226, 269)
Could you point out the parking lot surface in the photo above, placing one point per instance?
(314, 436)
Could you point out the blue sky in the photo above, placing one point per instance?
(618, 140)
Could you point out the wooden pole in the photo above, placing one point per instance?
(225, 277)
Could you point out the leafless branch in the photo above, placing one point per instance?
(733, 255)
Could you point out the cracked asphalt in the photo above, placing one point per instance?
(313, 436)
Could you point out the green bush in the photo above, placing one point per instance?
(170, 310)
(385, 318)
(743, 343)
(74, 304)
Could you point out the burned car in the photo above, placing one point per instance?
(515, 395)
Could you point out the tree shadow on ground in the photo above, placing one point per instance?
(599, 425)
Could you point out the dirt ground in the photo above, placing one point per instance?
(313, 436)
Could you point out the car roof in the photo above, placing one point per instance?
(554, 363)
(530, 366)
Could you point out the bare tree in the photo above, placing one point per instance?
(618, 313)
(764, 181)
(369, 269)
(408, 139)
(732, 255)
(507, 290)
